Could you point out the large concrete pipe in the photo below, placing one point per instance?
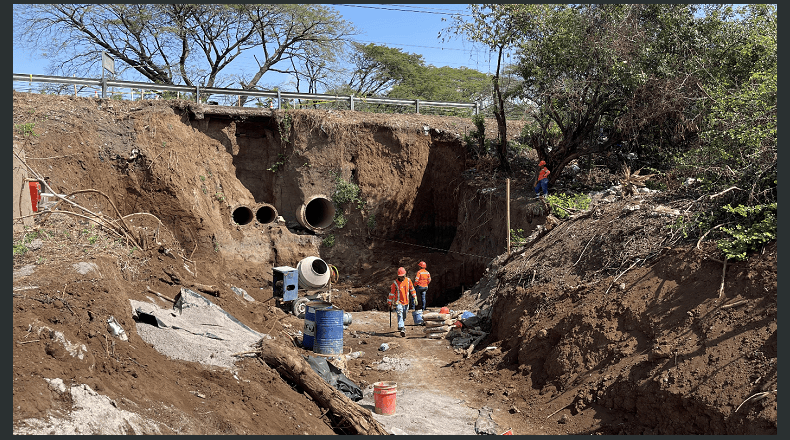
(242, 215)
(316, 214)
(265, 214)
(313, 273)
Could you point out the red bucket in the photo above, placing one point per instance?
(35, 194)
(384, 397)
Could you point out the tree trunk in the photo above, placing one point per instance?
(287, 360)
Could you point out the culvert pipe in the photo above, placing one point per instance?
(313, 273)
(242, 215)
(316, 214)
(265, 214)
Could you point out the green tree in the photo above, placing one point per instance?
(499, 28)
(443, 84)
(603, 76)
(376, 69)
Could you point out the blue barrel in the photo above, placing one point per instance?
(328, 331)
(308, 334)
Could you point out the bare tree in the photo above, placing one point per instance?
(176, 43)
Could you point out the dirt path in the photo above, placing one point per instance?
(431, 398)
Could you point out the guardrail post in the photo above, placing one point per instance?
(477, 108)
(279, 101)
(417, 101)
(352, 102)
(103, 87)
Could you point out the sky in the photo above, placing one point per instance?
(413, 28)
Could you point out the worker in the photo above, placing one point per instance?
(543, 179)
(400, 291)
(421, 281)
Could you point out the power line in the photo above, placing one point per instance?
(402, 10)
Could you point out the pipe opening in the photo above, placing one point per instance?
(242, 215)
(318, 213)
(266, 214)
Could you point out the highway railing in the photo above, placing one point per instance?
(204, 93)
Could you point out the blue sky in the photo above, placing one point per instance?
(413, 28)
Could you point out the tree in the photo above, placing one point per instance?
(601, 76)
(498, 27)
(174, 43)
(376, 69)
(446, 83)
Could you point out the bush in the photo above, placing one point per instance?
(562, 203)
(757, 228)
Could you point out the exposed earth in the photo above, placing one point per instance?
(607, 322)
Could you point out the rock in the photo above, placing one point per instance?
(563, 420)
(83, 268)
(35, 244)
(543, 334)
(485, 425)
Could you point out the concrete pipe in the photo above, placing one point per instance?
(313, 273)
(316, 214)
(265, 214)
(242, 215)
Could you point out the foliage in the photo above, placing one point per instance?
(340, 220)
(476, 139)
(277, 164)
(219, 196)
(561, 204)
(517, 236)
(378, 68)
(328, 241)
(19, 249)
(26, 129)
(758, 228)
(371, 221)
(284, 127)
(446, 83)
(345, 191)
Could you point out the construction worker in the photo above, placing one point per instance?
(421, 281)
(543, 179)
(401, 288)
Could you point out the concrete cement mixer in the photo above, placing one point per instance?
(310, 276)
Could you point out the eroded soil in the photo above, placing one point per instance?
(607, 323)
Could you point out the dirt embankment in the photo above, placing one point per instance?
(605, 323)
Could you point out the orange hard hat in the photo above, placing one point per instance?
(401, 271)
(422, 264)
(542, 162)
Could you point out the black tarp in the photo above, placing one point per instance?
(332, 375)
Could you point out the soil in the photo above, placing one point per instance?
(607, 322)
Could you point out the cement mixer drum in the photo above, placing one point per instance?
(313, 273)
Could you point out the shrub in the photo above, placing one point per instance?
(562, 203)
(757, 228)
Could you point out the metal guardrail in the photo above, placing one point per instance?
(198, 91)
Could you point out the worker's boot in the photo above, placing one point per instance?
(402, 332)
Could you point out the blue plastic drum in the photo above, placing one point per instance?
(417, 315)
(308, 334)
(328, 331)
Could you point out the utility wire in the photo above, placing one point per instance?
(401, 10)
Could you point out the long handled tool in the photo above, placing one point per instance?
(390, 316)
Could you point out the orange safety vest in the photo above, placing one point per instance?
(544, 173)
(423, 278)
(402, 290)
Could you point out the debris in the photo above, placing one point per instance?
(384, 347)
(335, 378)
(149, 318)
(116, 329)
(242, 293)
(290, 363)
(485, 425)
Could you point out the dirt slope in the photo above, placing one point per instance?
(660, 355)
